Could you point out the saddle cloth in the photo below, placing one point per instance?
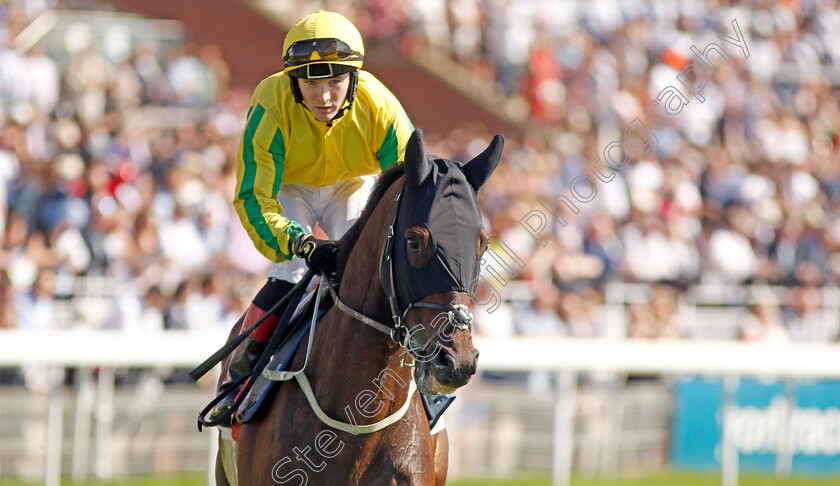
(281, 360)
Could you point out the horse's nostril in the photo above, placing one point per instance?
(444, 361)
(477, 352)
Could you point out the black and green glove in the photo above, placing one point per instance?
(319, 255)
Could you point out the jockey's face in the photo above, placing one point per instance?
(325, 97)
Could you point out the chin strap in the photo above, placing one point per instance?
(351, 94)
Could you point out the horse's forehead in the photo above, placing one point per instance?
(446, 182)
(446, 166)
(444, 173)
(443, 200)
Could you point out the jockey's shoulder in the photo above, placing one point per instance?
(273, 92)
(373, 89)
(273, 83)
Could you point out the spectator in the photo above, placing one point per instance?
(804, 316)
(743, 188)
(763, 323)
(541, 318)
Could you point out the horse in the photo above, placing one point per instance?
(410, 260)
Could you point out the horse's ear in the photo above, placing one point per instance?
(479, 169)
(417, 168)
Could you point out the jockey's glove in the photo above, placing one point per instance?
(319, 255)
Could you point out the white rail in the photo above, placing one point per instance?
(563, 356)
(178, 348)
(107, 348)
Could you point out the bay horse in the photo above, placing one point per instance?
(410, 260)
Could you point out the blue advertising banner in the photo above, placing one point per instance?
(799, 420)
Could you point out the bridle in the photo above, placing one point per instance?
(458, 317)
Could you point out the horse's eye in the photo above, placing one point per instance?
(418, 246)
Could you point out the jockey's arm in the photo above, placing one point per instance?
(259, 168)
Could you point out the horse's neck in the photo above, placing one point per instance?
(358, 364)
(353, 355)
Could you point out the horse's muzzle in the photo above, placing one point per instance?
(454, 369)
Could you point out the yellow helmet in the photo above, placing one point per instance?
(322, 38)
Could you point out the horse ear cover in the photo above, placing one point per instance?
(417, 168)
(479, 169)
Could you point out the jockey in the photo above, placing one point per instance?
(315, 136)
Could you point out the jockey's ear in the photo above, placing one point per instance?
(417, 168)
(479, 169)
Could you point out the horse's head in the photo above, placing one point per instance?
(431, 262)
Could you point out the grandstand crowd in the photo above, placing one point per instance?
(119, 168)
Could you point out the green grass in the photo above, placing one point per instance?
(659, 479)
(145, 481)
(691, 479)
(652, 480)
(501, 482)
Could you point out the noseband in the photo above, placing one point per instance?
(459, 317)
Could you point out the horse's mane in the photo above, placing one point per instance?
(345, 244)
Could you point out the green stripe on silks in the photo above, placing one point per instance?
(389, 152)
(246, 191)
(278, 153)
(410, 125)
(293, 230)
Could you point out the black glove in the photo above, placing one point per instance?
(318, 254)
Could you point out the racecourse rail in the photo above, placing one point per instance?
(567, 357)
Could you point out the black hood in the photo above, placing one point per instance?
(441, 195)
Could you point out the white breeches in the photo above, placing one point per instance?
(335, 208)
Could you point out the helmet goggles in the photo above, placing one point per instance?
(320, 50)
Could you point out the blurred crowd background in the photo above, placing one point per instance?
(117, 167)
